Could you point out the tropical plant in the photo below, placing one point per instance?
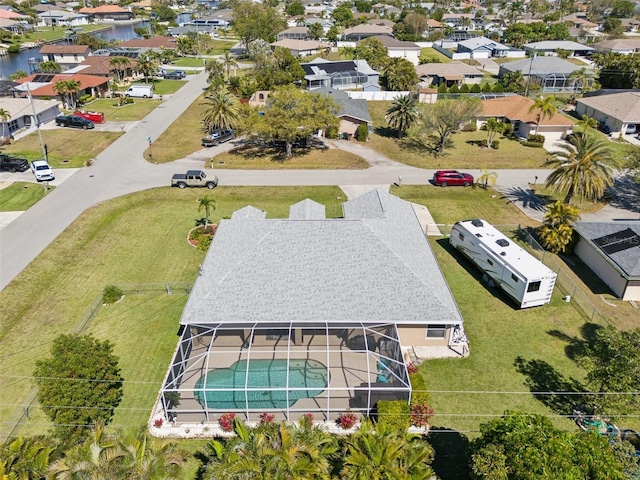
(142, 457)
(547, 107)
(222, 109)
(487, 178)
(583, 80)
(209, 205)
(147, 66)
(68, 91)
(49, 67)
(402, 113)
(119, 64)
(26, 458)
(215, 71)
(229, 62)
(400, 75)
(585, 123)
(5, 116)
(556, 232)
(494, 127)
(18, 74)
(513, 81)
(584, 167)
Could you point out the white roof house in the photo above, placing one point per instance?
(341, 296)
(483, 47)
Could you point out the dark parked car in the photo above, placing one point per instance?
(174, 75)
(444, 178)
(13, 163)
(216, 137)
(73, 121)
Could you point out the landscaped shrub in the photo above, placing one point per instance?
(475, 88)
(111, 294)
(347, 420)
(331, 132)
(394, 413)
(498, 88)
(412, 368)
(443, 88)
(201, 238)
(495, 144)
(418, 387)
(471, 126)
(362, 132)
(507, 129)
(266, 418)
(454, 88)
(533, 144)
(421, 414)
(226, 421)
(486, 88)
(536, 138)
(484, 143)
(158, 422)
(85, 98)
(306, 421)
(464, 88)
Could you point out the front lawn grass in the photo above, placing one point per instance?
(138, 238)
(184, 135)
(433, 54)
(465, 151)
(549, 197)
(67, 147)
(190, 62)
(140, 108)
(267, 158)
(19, 196)
(162, 86)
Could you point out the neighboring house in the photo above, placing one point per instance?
(216, 21)
(326, 24)
(14, 26)
(483, 47)
(21, 113)
(460, 21)
(578, 20)
(259, 98)
(551, 74)
(106, 12)
(66, 55)
(101, 66)
(343, 75)
(630, 25)
(294, 33)
(309, 314)
(399, 49)
(365, 30)
(551, 47)
(190, 29)
(433, 24)
(385, 22)
(159, 42)
(451, 73)
(41, 84)
(7, 88)
(302, 48)
(612, 251)
(625, 46)
(515, 110)
(353, 112)
(53, 18)
(615, 111)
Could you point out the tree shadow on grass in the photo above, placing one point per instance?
(577, 347)
(560, 393)
(431, 147)
(475, 272)
(266, 152)
(451, 449)
(386, 132)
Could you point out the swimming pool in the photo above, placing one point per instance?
(308, 375)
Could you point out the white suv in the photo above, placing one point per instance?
(42, 171)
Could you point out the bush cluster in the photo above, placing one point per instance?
(536, 138)
(347, 420)
(395, 414)
(226, 421)
(532, 144)
(111, 294)
(362, 132)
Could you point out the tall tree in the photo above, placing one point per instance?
(215, 71)
(252, 21)
(119, 64)
(583, 80)
(584, 167)
(68, 91)
(207, 204)
(617, 70)
(5, 116)
(79, 384)
(147, 65)
(374, 52)
(513, 81)
(585, 123)
(222, 109)
(229, 62)
(443, 118)
(400, 75)
(50, 67)
(556, 232)
(402, 113)
(547, 108)
(292, 114)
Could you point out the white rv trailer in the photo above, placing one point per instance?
(522, 276)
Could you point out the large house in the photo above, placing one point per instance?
(400, 49)
(53, 18)
(21, 113)
(309, 314)
(516, 109)
(66, 56)
(451, 73)
(612, 251)
(551, 47)
(624, 46)
(483, 47)
(106, 12)
(342, 74)
(551, 74)
(366, 30)
(353, 111)
(617, 112)
(43, 84)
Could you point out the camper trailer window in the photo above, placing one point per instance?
(514, 278)
(460, 236)
(533, 287)
(436, 331)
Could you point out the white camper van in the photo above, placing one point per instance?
(522, 276)
(140, 91)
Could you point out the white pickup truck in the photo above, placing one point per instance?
(193, 178)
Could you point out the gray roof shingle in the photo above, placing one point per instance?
(373, 265)
(628, 259)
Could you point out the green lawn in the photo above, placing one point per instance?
(19, 196)
(160, 86)
(271, 158)
(433, 54)
(465, 153)
(139, 238)
(137, 110)
(189, 62)
(67, 147)
(48, 34)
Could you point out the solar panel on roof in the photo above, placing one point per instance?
(43, 78)
(617, 242)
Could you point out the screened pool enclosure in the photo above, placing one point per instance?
(287, 370)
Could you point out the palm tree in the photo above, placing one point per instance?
(547, 107)
(4, 116)
(229, 62)
(26, 457)
(487, 178)
(68, 90)
(581, 79)
(584, 168)
(402, 113)
(556, 233)
(147, 66)
(209, 205)
(118, 63)
(585, 123)
(222, 109)
(148, 458)
(215, 70)
(50, 67)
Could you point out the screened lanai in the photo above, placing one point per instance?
(287, 370)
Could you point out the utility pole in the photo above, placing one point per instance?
(37, 120)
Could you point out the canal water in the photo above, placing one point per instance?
(20, 61)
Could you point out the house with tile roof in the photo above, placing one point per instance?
(100, 65)
(107, 12)
(309, 314)
(616, 111)
(452, 73)
(64, 54)
(399, 49)
(612, 251)
(353, 111)
(42, 84)
(365, 30)
(551, 74)
(514, 109)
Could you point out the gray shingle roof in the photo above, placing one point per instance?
(307, 210)
(623, 106)
(373, 265)
(541, 66)
(627, 260)
(555, 44)
(349, 107)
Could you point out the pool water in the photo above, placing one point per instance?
(308, 375)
